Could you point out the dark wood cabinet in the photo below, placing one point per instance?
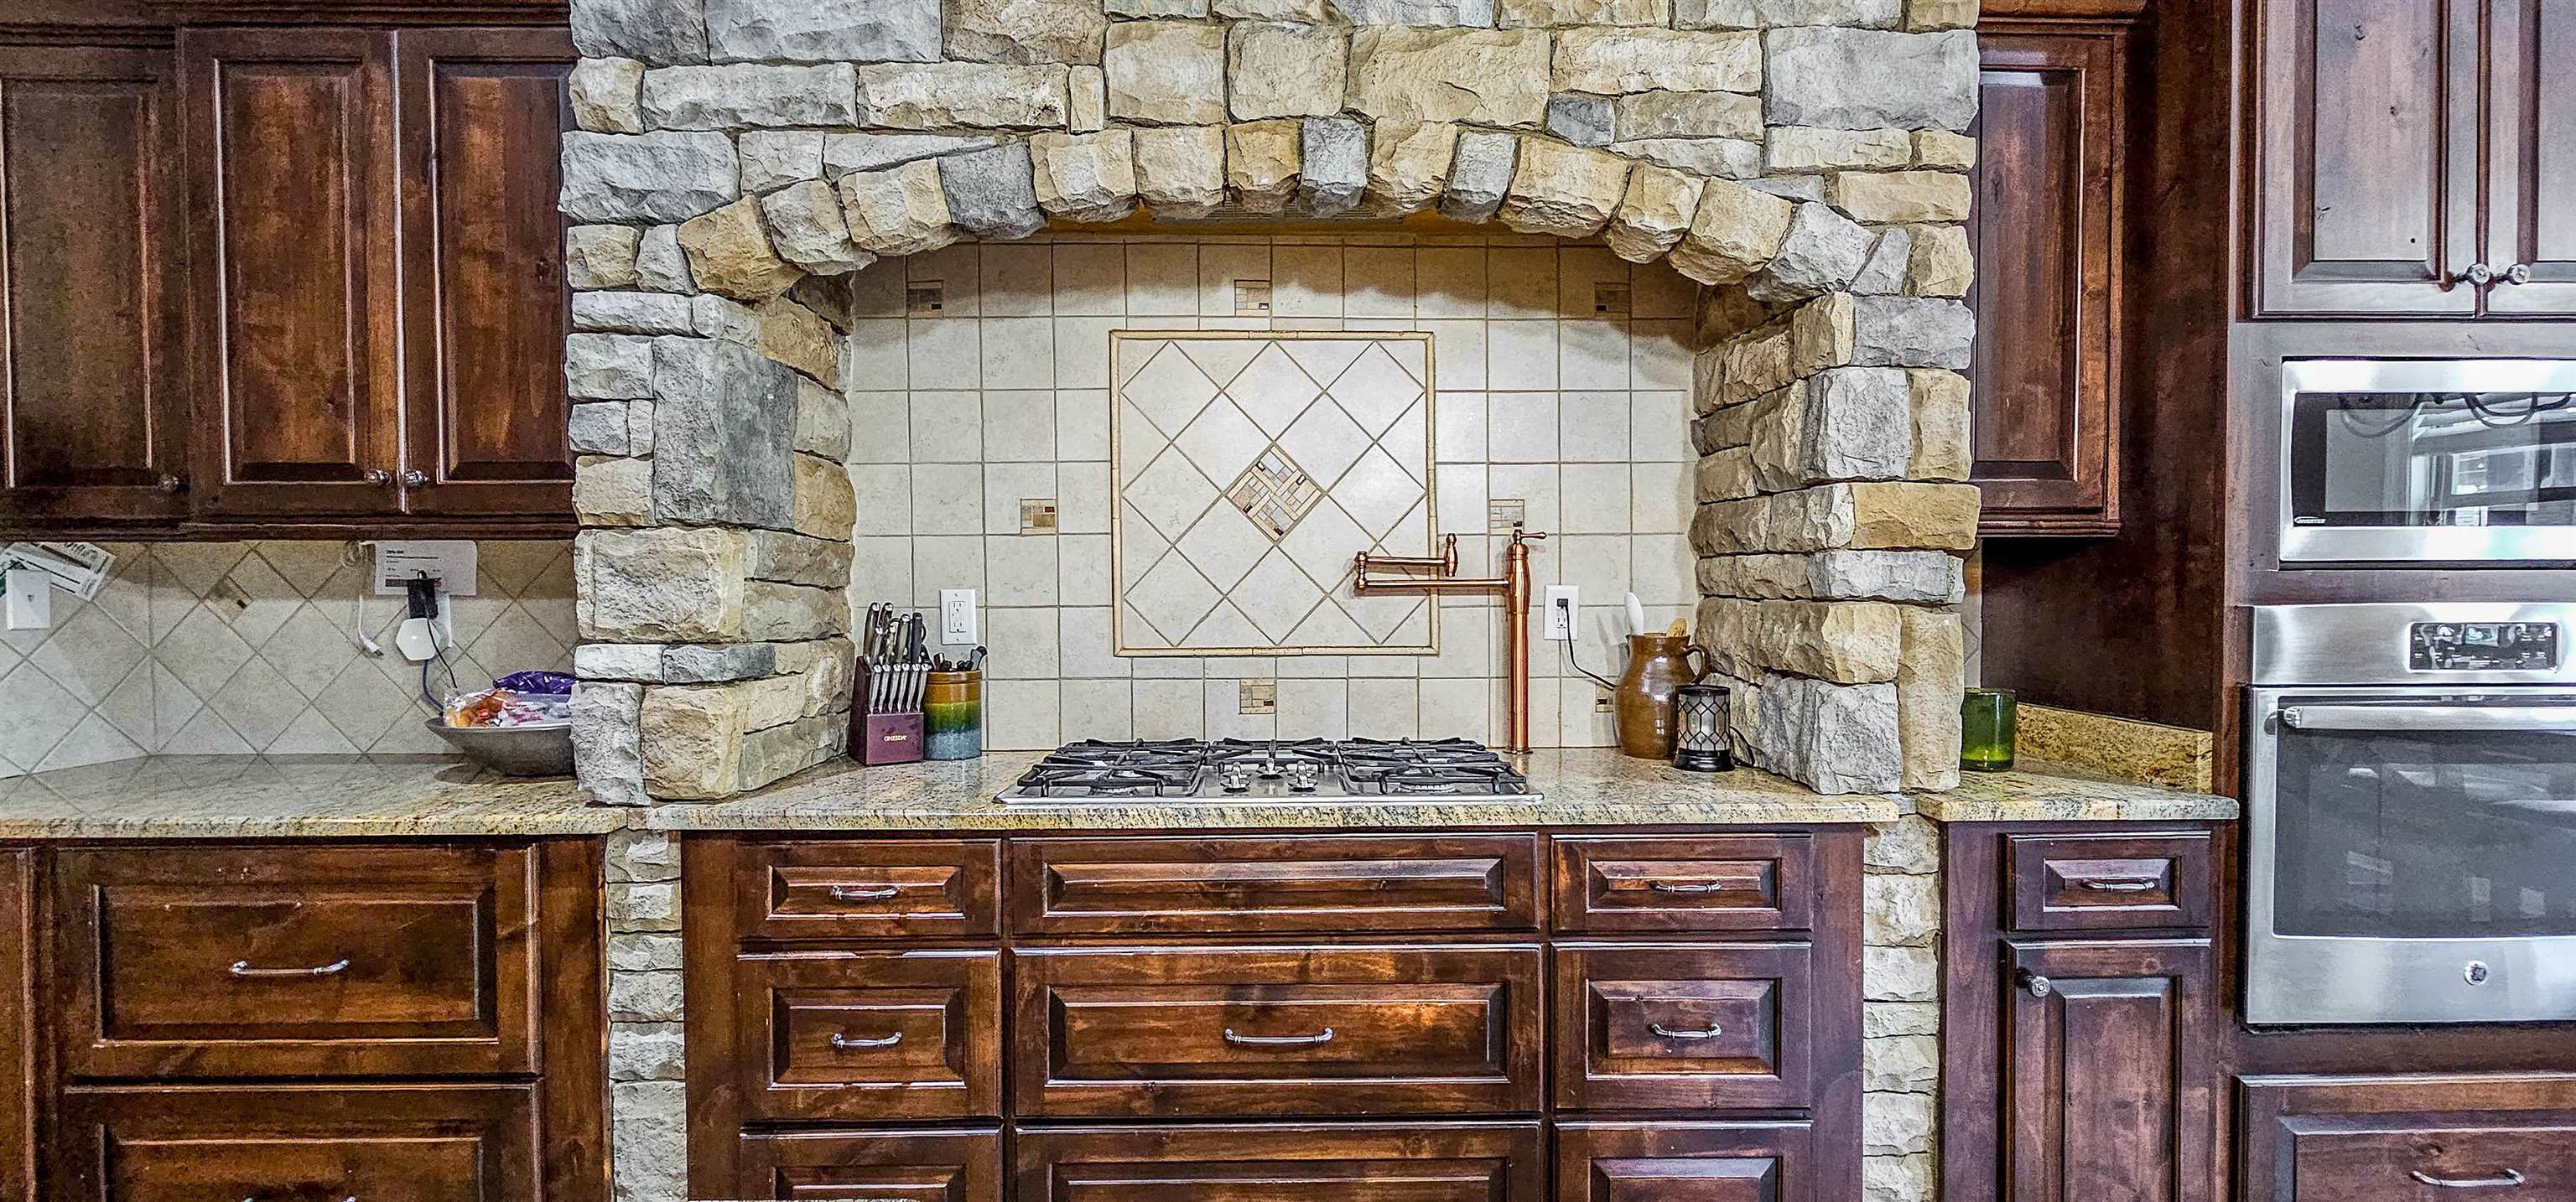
(1448, 1162)
(2408, 1138)
(19, 1097)
(1683, 1162)
(2048, 227)
(2107, 1090)
(2411, 158)
(451, 1143)
(885, 1166)
(93, 414)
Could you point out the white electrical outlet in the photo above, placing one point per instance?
(957, 617)
(30, 599)
(1563, 602)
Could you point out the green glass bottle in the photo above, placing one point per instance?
(1986, 721)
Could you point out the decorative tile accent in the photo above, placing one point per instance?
(1318, 446)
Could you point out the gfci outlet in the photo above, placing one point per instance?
(1563, 602)
(957, 617)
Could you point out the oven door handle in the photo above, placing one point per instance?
(2430, 717)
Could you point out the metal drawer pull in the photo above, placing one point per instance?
(2504, 1180)
(843, 1043)
(863, 892)
(1712, 1031)
(1278, 1041)
(2035, 984)
(2119, 885)
(242, 968)
(1696, 887)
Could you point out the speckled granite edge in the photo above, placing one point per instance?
(2146, 753)
(288, 797)
(2063, 793)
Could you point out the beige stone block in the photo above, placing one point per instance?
(1911, 844)
(1913, 515)
(1896, 1124)
(897, 211)
(1805, 149)
(822, 421)
(944, 96)
(1085, 177)
(1899, 910)
(1846, 642)
(1822, 334)
(1878, 1020)
(1180, 172)
(1735, 232)
(1166, 72)
(1898, 1179)
(1900, 974)
(643, 907)
(1087, 99)
(607, 95)
(825, 506)
(1277, 69)
(666, 584)
(1613, 62)
(1944, 150)
(1928, 687)
(792, 334)
(779, 751)
(775, 612)
(1654, 214)
(1478, 76)
(692, 740)
(1926, 15)
(1942, 263)
(1941, 416)
(730, 255)
(1896, 197)
(1726, 474)
(808, 229)
(796, 559)
(1022, 31)
(1409, 164)
(1645, 118)
(1261, 160)
(1900, 1064)
(601, 256)
(1518, 13)
(612, 491)
(1566, 191)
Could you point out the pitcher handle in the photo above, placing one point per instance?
(1706, 661)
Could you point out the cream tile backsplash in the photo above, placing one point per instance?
(236, 648)
(982, 382)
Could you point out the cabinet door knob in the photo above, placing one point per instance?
(2479, 274)
(379, 477)
(2035, 984)
(2519, 273)
(415, 478)
(172, 484)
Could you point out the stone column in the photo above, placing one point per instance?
(648, 1110)
(1900, 1010)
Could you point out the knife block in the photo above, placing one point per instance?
(889, 738)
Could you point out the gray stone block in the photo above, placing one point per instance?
(1478, 13)
(663, 177)
(1883, 273)
(822, 31)
(618, 661)
(630, 313)
(1334, 167)
(1910, 331)
(751, 96)
(992, 193)
(1582, 120)
(1869, 79)
(1481, 175)
(605, 752)
(600, 428)
(702, 664)
(655, 31)
(1822, 252)
(845, 153)
(660, 264)
(723, 418)
(608, 367)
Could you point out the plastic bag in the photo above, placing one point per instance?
(507, 707)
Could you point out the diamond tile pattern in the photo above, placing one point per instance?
(1321, 447)
(243, 648)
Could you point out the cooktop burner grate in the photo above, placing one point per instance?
(1287, 769)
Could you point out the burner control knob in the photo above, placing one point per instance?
(1234, 778)
(1302, 777)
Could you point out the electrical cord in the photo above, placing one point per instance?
(1568, 649)
(351, 556)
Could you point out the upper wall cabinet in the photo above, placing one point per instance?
(93, 419)
(2375, 124)
(2048, 233)
(380, 310)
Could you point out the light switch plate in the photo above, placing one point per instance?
(1560, 617)
(30, 599)
(957, 617)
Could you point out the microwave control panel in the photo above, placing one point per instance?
(2482, 646)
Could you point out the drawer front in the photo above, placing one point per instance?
(2409, 1139)
(1701, 883)
(416, 1143)
(874, 889)
(1276, 1031)
(1357, 1162)
(1674, 1027)
(1682, 1162)
(867, 1036)
(1283, 884)
(304, 961)
(2088, 882)
(879, 1166)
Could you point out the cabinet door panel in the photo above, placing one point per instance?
(2366, 157)
(485, 306)
(2106, 1092)
(880, 1166)
(2047, 285)
(420, 1143)
(93, 424)
(289, 135)
(1355, 1162)
(2531, 185)
(1682, 1162)
(2408, 1138)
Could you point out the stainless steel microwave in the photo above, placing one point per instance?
(2428, 461)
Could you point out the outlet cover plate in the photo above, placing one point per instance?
(1560, 618)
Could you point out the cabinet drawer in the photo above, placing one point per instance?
(869, 1035)
(1277, 1162)
(2409, 1139)
(2086, 882)
(826, 889)
(302, 961)
(423, 1143)
(1675, 1027)
(1253, 885)
(880, 1166)
(1276, 1031)
(1705, 883)
(1682, 1162)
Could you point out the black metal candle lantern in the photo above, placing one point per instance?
(1702, 738)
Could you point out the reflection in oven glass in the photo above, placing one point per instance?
(2434, 459)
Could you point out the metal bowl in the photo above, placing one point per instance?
(540, 750)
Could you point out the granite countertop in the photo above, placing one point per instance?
(316, 796)
(1577, 787)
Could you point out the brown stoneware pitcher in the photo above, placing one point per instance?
(1657, 664)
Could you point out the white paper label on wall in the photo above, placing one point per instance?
(450, 560)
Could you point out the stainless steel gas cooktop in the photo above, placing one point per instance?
(1268, 769)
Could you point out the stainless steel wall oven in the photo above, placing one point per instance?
(2410, 834)
(2439, 461)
